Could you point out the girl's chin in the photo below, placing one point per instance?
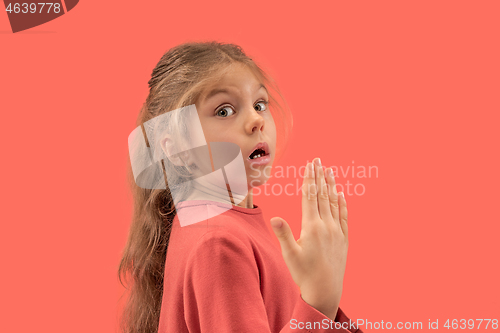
(256, 182)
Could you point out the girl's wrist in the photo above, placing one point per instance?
(329, 313)
(329, 308)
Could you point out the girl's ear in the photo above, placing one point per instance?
(178, 159)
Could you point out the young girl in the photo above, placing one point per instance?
(199, 253)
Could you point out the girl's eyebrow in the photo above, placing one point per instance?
(222, 90)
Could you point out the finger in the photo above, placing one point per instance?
(343, 213)
(309, 196)
(323, 201)
(285, 236)
(333, 195)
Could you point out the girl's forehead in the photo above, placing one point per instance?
(238, 85)
(230, 79)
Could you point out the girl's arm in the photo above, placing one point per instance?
(318, 258)
(222, 291)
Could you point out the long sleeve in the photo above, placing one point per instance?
(222, 292)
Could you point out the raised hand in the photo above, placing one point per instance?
(318, 258)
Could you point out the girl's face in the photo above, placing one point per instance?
(235, 110)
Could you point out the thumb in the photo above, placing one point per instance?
(284, 233)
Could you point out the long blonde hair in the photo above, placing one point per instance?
(177, 81)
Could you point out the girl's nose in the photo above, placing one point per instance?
(255, 122)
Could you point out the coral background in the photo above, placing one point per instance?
(409, 87)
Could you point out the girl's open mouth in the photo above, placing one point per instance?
(260, 155)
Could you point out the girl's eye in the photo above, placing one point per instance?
(223, 112)
(227, 111)
(264, 107)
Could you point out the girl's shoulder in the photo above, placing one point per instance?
(200, 222)
(203, 245)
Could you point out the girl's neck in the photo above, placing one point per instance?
(201, 191)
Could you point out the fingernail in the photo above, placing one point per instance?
(342, 194)
(329, 172)
(318, 161)
(311, 169)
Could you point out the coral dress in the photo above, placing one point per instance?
(225, 274)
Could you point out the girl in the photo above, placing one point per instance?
(221, 272)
